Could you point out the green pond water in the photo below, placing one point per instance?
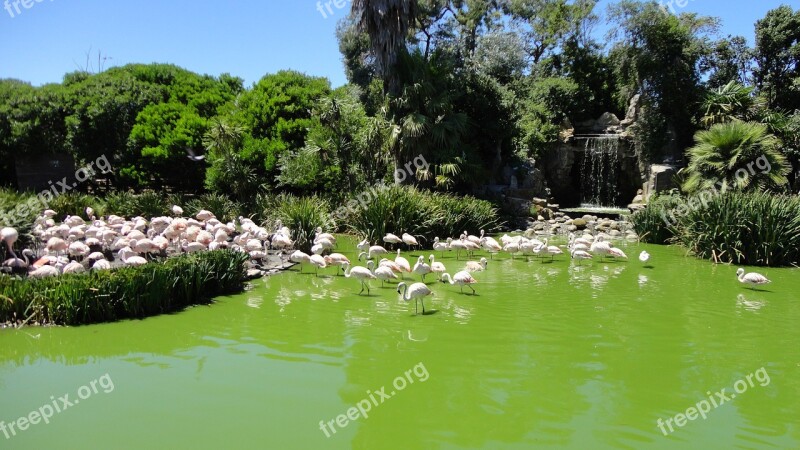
(547, 355)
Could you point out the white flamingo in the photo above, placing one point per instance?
(383, 273)
(300, 258)
(441, 246)
(318, 262)
(405, 266)
(751, 279)
(473, 266)
(581, 255)
(374, 251)
(338, 260)
(392, 239)
(490, 245)
(409, 240)
(417, 291)
(437, 267)
(644, 257)
(362, 274)
(461, 279)
(420, 268)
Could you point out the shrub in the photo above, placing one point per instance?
(130, 292)
(301, 214)
(650, 223)
(223, 207)
(405, 209)
(757, 229)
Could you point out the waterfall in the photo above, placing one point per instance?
(599, 172)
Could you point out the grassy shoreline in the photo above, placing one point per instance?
(124, 293)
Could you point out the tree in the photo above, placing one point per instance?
(729, 59)
(387, 23)
(728, 103)
(740, 156)
(658, 58)
(778, 56)
(228, 174)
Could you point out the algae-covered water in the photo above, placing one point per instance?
(547, 355)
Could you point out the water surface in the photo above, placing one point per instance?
(547, 355)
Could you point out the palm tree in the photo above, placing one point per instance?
(727, 103)
(387, 23)
(737, 155)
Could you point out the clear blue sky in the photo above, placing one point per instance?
(247, 38)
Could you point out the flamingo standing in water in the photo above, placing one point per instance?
(410, 241)
(417, 291)
(437, 267)
(462, 279)
(403, 263)
(383, 273)
(420, 268)
(441, 246)
(362, 274)
(473, 266)
(751, 279)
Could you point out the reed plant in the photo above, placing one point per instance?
(655, 224)
(759, 229)
(130, 292)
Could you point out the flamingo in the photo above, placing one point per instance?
(459, 245)
(409, 240)
(644, 257)
(318, 262)
(320, 235)
(490, 245)
(383, 273)
(9, 236)
(390, 264)
(617, 253)
(462, 279)
(581, 255)
(392, 239)
(473, 266)
(337, 259)
(437, 267)
(177, 210)
(752, 278)
(417, 291)
(512, 248)
(374, 251)
(440, 246)
(420, 268)
(45, 271)
(600, 248)
(363, 246)
(405, 266)
(362, 274)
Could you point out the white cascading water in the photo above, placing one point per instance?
(599, 172)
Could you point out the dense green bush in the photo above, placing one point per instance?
(301, 214)
(656, 223)
(223, 207)
(757, 229)
(404, 209)
(130, 292)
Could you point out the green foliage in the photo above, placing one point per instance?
(777, 75)
(131, 292)
(221, 206)
(727, 103)
(656, 223)
(301, 214)
(276, 111)
(147, 204)
(75, 204)
(744, 228)
(405, 209)
(741, 156)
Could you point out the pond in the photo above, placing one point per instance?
(546, 355)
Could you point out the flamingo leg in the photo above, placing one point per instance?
(416, 311)
(362, 288)
(422, 300)
(473, 289)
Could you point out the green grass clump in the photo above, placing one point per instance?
(130, 292)
(758, 229)
(301, 214)
(405, 209)
(657, 223)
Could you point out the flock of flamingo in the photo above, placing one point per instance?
(77, 245)
(580, 248)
